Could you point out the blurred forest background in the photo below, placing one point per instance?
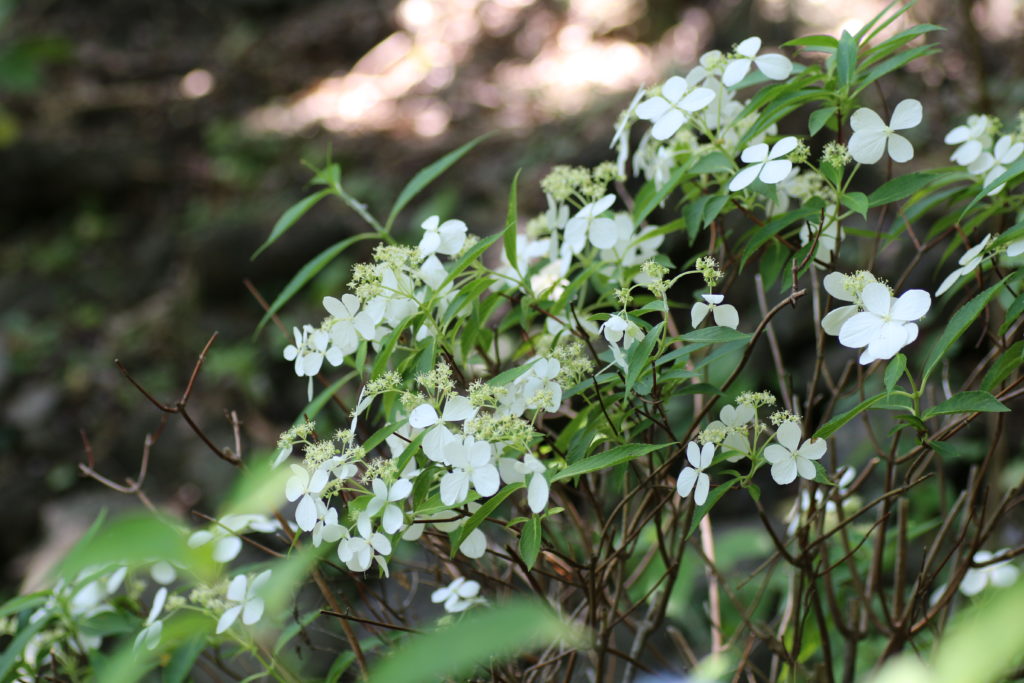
(147, 147)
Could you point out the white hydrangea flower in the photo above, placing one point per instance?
(1001, 574)
(305, 488)
(693, 478)
(618, 329)
(308, 352)
(621, 137)
(789, 457)
(442, 238)
(971, 137)
(828, 238)
(1005, 152)
(886, 325)
(248, 604)
(872, 137)
(672, 108)
(384, 499)
(765, 165)
(358, 552)
(588, 224)
(734, 420)
(348, 326)
(725, 315)
(456, 409)
(969, 262)
(513, 471)
(458, 596)
(840, 287)
(471, 464)
(149, 636)
(473, 545)
(326, 527)
(775, 67)
(1015, 248)
(538, 381)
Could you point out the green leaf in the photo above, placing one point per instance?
(511, 223)
(529, 541)
(713, 335)
(894, 370)
(1004, 365)
(20, 603)
(610, 458)
(823, 43)
(846, 59)
(830, 427)
(713, 497)
(856, 202)
(482, 513)
(713, 162)
(428, 175)
(1013, 313)
(818, 118)
(484, 635)
(639, 355)
(899, 188)
(291, 216)
(893, 63)
(467, 258)
(16, 646)
(957, 325)
(509, 375)
(650, 196)
(308, 272)
(967, 402)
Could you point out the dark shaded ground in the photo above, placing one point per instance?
(130, 211)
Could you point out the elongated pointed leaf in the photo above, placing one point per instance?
(291, 216)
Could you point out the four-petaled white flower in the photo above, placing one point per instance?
(789, 457)
(442, 238)
(149, 636)
(1001, 574)
(672, 108)
(1005, 152)
(971, 138)
(458, 596)
(693, 478)
(734, 421)
(969, 262)
(725, 315)
(384, 498)
(424, 416)
(470, 460)
(775, 67)
(308, 352)
(326, 527)
(224, 534)
(871, 136)
(358, 552)
(588, 224)
(302, 485)
(618, 329)
(765, 165)
(248, 604)
(348, 326)
(886, 325)
(838, 285)
(513, 471)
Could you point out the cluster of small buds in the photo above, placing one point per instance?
(801, 154)
(380, 468)
(388, 381)
(712, 434)
(575, 364)
(585, 184)
(836, 154)
(411, 400)
(780, 416)
(756, 399)
(515, 431)
(210, 597)
(297, 433)
(483, 395)
(366, 281)
(707, 266)
(319, 452)
(538, 227)
(623, 296)
(396, 256)
(438, 380)
(654, 278)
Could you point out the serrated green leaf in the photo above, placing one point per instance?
(894, 370)
(1009, 361)
(957, 325)
(428, 175)
(830, 427)
(899, 188)
(291, 216)
(512, 222)
(967, 402)
(610, 458)
(529, 542)
(846, 59)
(308, 272)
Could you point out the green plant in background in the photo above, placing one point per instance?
(529, 413)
